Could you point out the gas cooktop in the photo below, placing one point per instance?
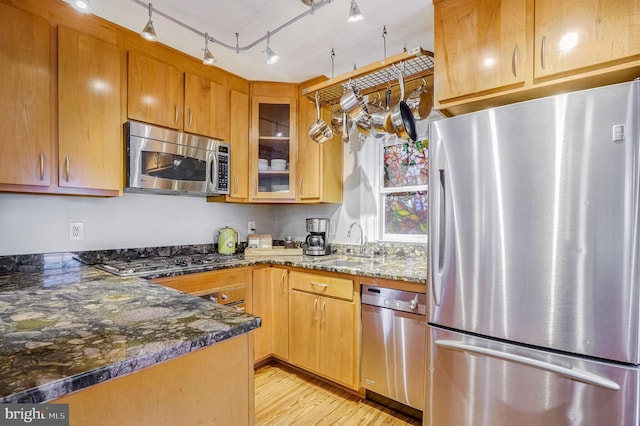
(161, 264)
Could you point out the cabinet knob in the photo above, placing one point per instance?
(177, 114)
(514, 61)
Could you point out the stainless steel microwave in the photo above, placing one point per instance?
(170, 162)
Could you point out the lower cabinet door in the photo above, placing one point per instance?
(304, 330)
(338, 341)
(280, 300)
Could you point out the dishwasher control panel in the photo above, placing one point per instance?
(399, 300)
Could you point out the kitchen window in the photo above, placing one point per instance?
(403, 188)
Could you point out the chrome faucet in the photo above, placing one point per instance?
(362, 246)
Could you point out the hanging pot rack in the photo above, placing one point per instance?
(415, 64)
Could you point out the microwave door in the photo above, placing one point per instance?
(166, 166)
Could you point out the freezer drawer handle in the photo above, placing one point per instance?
(572, 373)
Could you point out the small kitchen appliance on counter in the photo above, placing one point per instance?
(316, 243)
(227, 240)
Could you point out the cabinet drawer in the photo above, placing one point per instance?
(327, 286)
(207, 282)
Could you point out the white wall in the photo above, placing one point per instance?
(39, 223)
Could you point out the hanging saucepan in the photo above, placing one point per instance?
(420, 101)
(380, 120)
(320, 131)
(365, 125)
(354, 105)
(402, 119)
(338, 120)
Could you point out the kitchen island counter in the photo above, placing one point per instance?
(71, 326)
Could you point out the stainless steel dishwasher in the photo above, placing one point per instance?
(394, 344)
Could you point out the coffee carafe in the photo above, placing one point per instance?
(316, 243)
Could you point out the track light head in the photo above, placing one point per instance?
(354, 12)
(208, 58)
(272, 57)
(149, 32)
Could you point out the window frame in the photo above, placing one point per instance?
(381, 191)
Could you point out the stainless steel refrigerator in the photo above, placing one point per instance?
(534, 255)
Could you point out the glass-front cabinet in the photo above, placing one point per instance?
(273, 147)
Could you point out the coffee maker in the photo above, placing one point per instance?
(316, 243)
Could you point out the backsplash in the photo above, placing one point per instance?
(48, 261)
(403, 250)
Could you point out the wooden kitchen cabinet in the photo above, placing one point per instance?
(319, 165)
(561, 46)
(280, 300)
(271, 303)
(155, 91)
(274, 141)
(205, 106)
(89, 128)
(202, 283)
(324, 331)
(210, 386)
(239, 139)
(26, 148)
(480, 46)
(263, 308)
(572, 36)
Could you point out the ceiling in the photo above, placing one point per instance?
(304, 46)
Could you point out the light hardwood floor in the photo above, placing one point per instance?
(285, 396)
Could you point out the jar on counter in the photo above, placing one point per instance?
(289, 243)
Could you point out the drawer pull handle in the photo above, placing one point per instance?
(543, 53)
(67, 166)
(41, 165)
(319, 284)
(315, 307)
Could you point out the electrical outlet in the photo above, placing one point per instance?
(76, 231)
(251, 227)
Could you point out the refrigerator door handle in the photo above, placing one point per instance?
(572, 373)
(440, 228)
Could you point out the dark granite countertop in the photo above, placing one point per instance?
(65, 325)
(72, 326)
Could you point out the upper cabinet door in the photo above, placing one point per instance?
(25, 96)
(480, 45)
(574, 35)
(309, 153)
(273, 147)
(155, 92)
(205, 106)
(90, 136)
(239, 141)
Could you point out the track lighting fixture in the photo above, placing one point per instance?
(354, 12)
(83, 6)
(272, 57)
(148, 32)
(208, 58)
